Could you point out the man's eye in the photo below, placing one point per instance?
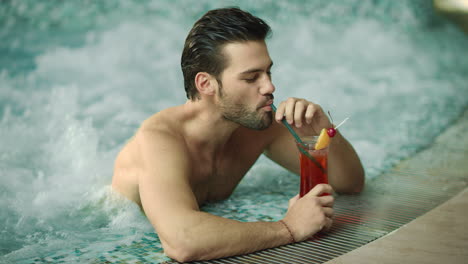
(251, 80)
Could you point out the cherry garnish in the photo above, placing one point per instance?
(331, 131)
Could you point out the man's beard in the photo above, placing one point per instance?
(240, 114)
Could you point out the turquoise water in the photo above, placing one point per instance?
(77, 78)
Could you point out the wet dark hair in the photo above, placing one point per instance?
(203, 45)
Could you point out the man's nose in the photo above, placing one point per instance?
(267, 87)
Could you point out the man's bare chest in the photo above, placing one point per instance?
(214, 180)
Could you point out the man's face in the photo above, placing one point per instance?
(246, 91)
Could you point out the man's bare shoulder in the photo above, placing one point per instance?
(154, 145)
(166, 123)
(162, 132)
(168, 120)
(157, 128)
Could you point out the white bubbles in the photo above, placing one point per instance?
(388, 77)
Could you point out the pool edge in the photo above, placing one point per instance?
(421, 240)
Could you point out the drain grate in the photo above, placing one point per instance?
(388, 202)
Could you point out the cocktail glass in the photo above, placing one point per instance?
(314, 164)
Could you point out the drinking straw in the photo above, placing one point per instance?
(299, 140)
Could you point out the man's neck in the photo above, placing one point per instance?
(207, 127)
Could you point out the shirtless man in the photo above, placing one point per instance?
(187, 155)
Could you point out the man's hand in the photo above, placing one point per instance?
(311, 213)
(307, 117)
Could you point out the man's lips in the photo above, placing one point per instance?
(267, 105)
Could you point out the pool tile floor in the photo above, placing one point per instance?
(440, 235)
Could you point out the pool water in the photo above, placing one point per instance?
(77, 79)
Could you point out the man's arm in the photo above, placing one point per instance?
(188, 234)
(345, 171)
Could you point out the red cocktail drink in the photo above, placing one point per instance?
(313, 165)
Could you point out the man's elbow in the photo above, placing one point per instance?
(359, 184)
(358, 188)
(180, 254)
(181, 250)
(354, 187)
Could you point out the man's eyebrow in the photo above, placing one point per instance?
(256, 69)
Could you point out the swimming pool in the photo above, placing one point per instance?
(76, 80)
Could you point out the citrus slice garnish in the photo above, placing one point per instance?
(323, 140)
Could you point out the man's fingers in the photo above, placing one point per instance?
(289, 110)
(279, 115)
(298, 112)
(328, 211)
(328, 224)
(327, 200)
(293, 200)
(309, 113)
(320, 189)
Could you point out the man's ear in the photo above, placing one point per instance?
(204, 83)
